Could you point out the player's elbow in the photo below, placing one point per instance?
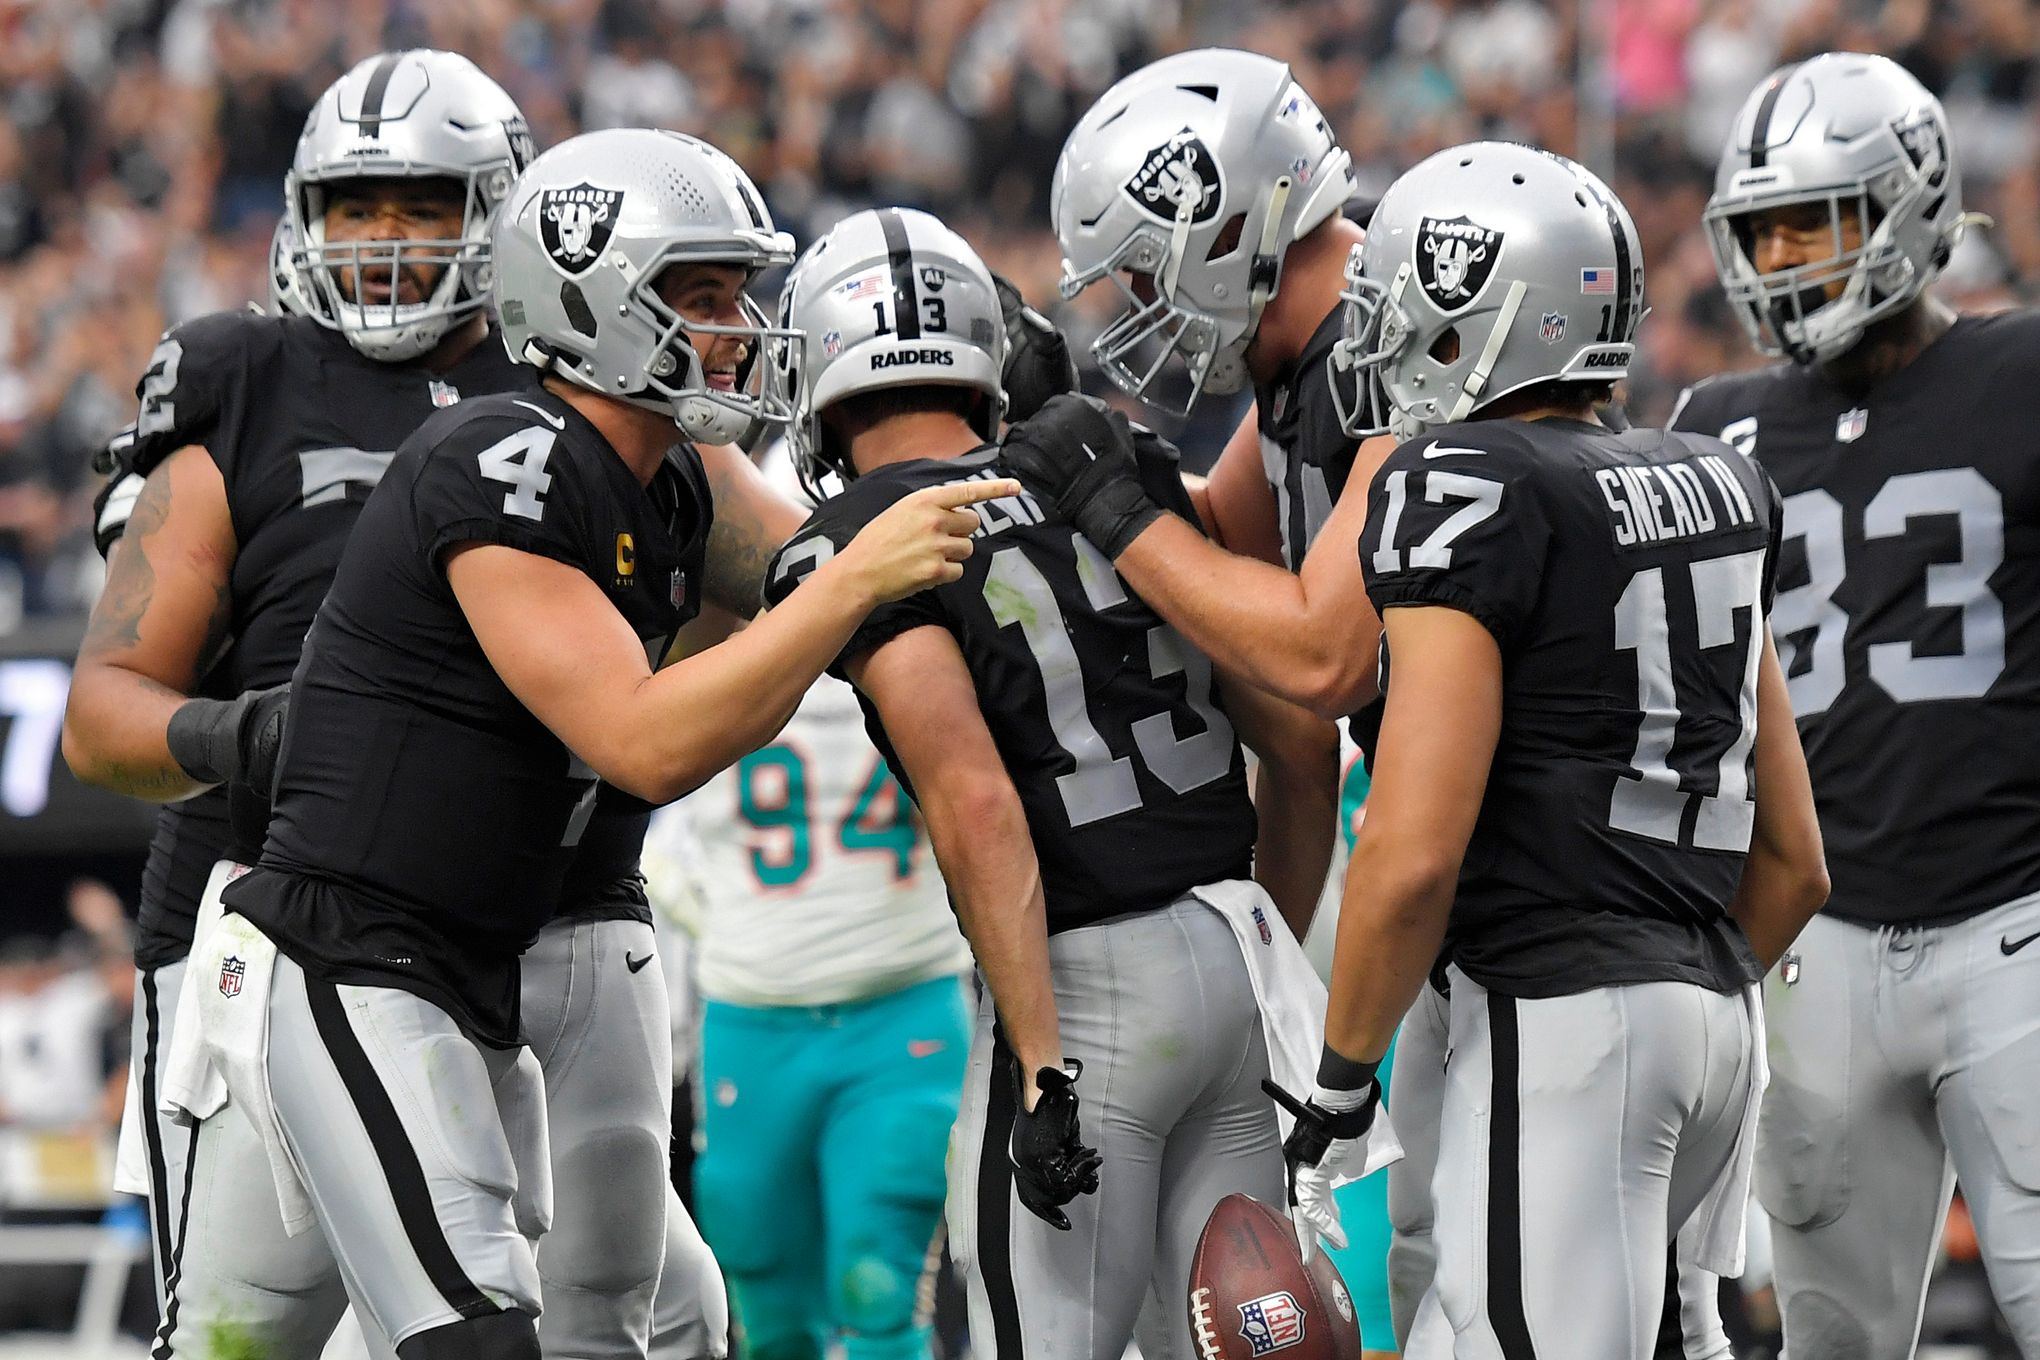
(1337, 685)
(980, 806)
(1806, 883)
(79, 754)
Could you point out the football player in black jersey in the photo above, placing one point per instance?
(1088, 804)
(1208, 188)
(1582, 705)
(1906, 1021)
(230, 499)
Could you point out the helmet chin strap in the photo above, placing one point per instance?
(1265, 270)
(1498, 335)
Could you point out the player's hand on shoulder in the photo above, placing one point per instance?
(1328, 1141)
(1051, 1164)
(1038, 362)
(921, 540)
(1077, 453)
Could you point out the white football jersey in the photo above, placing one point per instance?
(809, 868)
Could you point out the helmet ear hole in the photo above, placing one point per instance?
(1445, 349)
(1228, 239)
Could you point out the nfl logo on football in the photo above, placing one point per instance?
(232, 970)
(1272, 1322)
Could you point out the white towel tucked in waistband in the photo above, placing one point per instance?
(1714, 1238)
(1292, 1002)
(220, 1050)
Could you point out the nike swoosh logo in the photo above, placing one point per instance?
(557, 422)
(1447, 450)
(635, 964)
(2011, 946)
(924, 1048)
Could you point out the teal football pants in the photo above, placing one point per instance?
(821, 1184)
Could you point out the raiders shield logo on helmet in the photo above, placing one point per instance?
(1172, 171)
(1455, 256)
(574, 224)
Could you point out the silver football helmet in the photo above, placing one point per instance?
(1487, 267)
(416, 114)
(1194, 174)
(1858, 136)
(579, 249)
(889, 298)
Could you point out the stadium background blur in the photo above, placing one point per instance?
(143, 145)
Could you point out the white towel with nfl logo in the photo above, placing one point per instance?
(131, 1159)
(220, 1051)
(1292, 1003)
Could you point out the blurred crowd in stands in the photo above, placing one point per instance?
(143, 144)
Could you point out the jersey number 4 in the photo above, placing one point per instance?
(1103, 785)
(520, 461)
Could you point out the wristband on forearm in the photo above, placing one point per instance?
(1337, 1072)
(204, 739)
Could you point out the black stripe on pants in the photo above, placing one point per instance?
(1505, 1184)
(152, 1132)
(995, 1206)
(173, 1269)
(399, 1160)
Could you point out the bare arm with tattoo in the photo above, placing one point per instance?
(752, 520)
(162, 617)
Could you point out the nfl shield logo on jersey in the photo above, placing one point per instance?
(444, 394)
(1261, 921)
(232, 970)
(1788, 970)
(679, 593)
(1272, 1322)
(1850, 424)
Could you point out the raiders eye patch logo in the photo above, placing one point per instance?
(1168, 174)
(574, 224)
(1455, 256)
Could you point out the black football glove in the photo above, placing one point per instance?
(1326, 1142)
(1038, 362)
(231, 741)
(1051, 1165)
(1077, 453)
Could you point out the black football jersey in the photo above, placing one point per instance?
(1908, 617)
(1305, 452)
(425, 821)
(301, 427)
(1625, 578)
(1133, 784)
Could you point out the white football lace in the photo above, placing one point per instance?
(1200, 1324)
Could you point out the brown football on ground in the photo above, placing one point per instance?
(1250, 1295)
